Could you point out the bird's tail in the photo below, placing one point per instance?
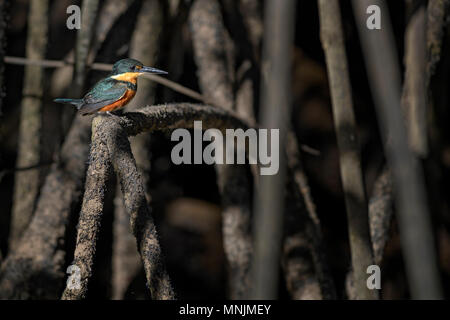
(76, 102)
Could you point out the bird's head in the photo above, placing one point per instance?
(131, 68)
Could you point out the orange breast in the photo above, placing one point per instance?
(129, 94)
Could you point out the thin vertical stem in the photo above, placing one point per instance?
(410, 197)
(26, 183)
(275, 110)
(346, 132)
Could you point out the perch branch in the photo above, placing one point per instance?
(109, 144)
(91, 210)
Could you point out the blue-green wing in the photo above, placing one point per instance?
(102, 94)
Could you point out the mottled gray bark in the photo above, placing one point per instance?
(110, 147)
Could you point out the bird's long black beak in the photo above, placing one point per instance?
(151, 70)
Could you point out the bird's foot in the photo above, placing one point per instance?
(109, 113)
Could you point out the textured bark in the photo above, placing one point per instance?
(26, 183)
(144, 47)
(91, 210)
(110, 146)
(107, 17)
(126, 262)
(380, 213)
(346, 131)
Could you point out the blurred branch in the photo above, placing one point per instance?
(83, 44)
(110, 13)
(414, 94)
(346, 131)
(307, 273)
(252, 13)
(275, 110)
(37, 261)
(26, 183)
(207, 30)
(61, 190)
(108, 16)
(412, 212)
(381, 201)
(107, 67)
(437, 13)
(3, 25)
(210, 53)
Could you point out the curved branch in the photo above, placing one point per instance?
(110, 146)
(143, 47)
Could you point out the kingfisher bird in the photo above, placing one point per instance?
(113, 92)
